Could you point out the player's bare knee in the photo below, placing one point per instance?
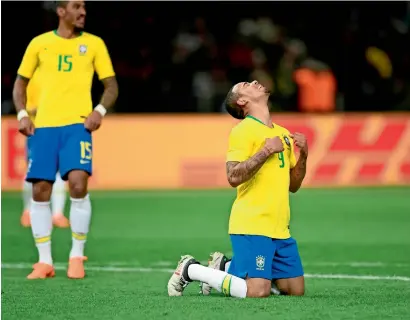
(258, 293)
(78, 184)
(258, 288)
(42, 191)
(78, 189)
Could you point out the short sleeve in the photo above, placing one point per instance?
(102, 62)
(240, 146)
(30, 60)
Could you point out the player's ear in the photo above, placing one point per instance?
(241, 102)
(60, 11)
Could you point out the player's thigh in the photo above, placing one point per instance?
(43, 155)
(76, 151)
(252, 260)
(287, 269)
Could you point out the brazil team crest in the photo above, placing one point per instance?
(82, 49)
(260, 263)
(286, 140)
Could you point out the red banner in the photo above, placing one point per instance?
(184, 151)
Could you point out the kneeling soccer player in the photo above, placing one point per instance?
(261, 164)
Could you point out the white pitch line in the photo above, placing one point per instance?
(62, 266)
(59, 266)
(352, 264)
(356, 277)
(357, 264)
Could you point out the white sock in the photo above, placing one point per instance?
(41, 226)
(227, 265)
(80, 217)
(58, 196)
(228, 284)
(27, 195)
(274, 289)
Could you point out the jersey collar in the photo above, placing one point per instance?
(257, 120)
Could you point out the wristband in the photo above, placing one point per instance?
(101, 109)
(22, 114)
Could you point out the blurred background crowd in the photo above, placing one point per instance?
(184, 56)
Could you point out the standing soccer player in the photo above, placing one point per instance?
(61, 138)
(58, 195)
(261, 164)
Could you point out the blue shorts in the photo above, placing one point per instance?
(263, 257)
(28, 147)
(60, 149)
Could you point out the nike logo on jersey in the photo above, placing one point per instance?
(84, 161)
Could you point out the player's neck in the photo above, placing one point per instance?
(67, 33)
(262, 114)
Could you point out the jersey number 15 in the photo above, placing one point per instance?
(64, 63)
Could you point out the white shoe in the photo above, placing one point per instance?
(217, 260)
(180, 279)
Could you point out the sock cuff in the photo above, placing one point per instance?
(79, 236)
(43, 239)
(80, 199)
(226, 285)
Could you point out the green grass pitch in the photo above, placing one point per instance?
(354, 243)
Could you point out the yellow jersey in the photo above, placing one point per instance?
(262, 203)
(33, 93)
(65, 69)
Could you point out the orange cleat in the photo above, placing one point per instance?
(25, 219)
(60, 221)
(76, 268)
(41, 271)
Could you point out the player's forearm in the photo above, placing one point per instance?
(297, 174)
(110, 92)
(240, 172)
(19, 93)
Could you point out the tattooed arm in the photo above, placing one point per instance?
(19, 93)
(297, 174)
(240, 172)
(110, 92)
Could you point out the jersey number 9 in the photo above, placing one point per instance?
(281, 159)
(64, 63)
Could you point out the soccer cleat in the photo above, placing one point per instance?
(217, 260)
(41, 271)
(76, 268)
(180, 279)
(60, 221)
(25, 219)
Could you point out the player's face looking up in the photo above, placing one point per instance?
(73, 13)
(243, 93)
(251, 91)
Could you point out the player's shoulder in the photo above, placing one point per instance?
(281, 129)
(241, 128)
(41, 38)
(91, 37)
